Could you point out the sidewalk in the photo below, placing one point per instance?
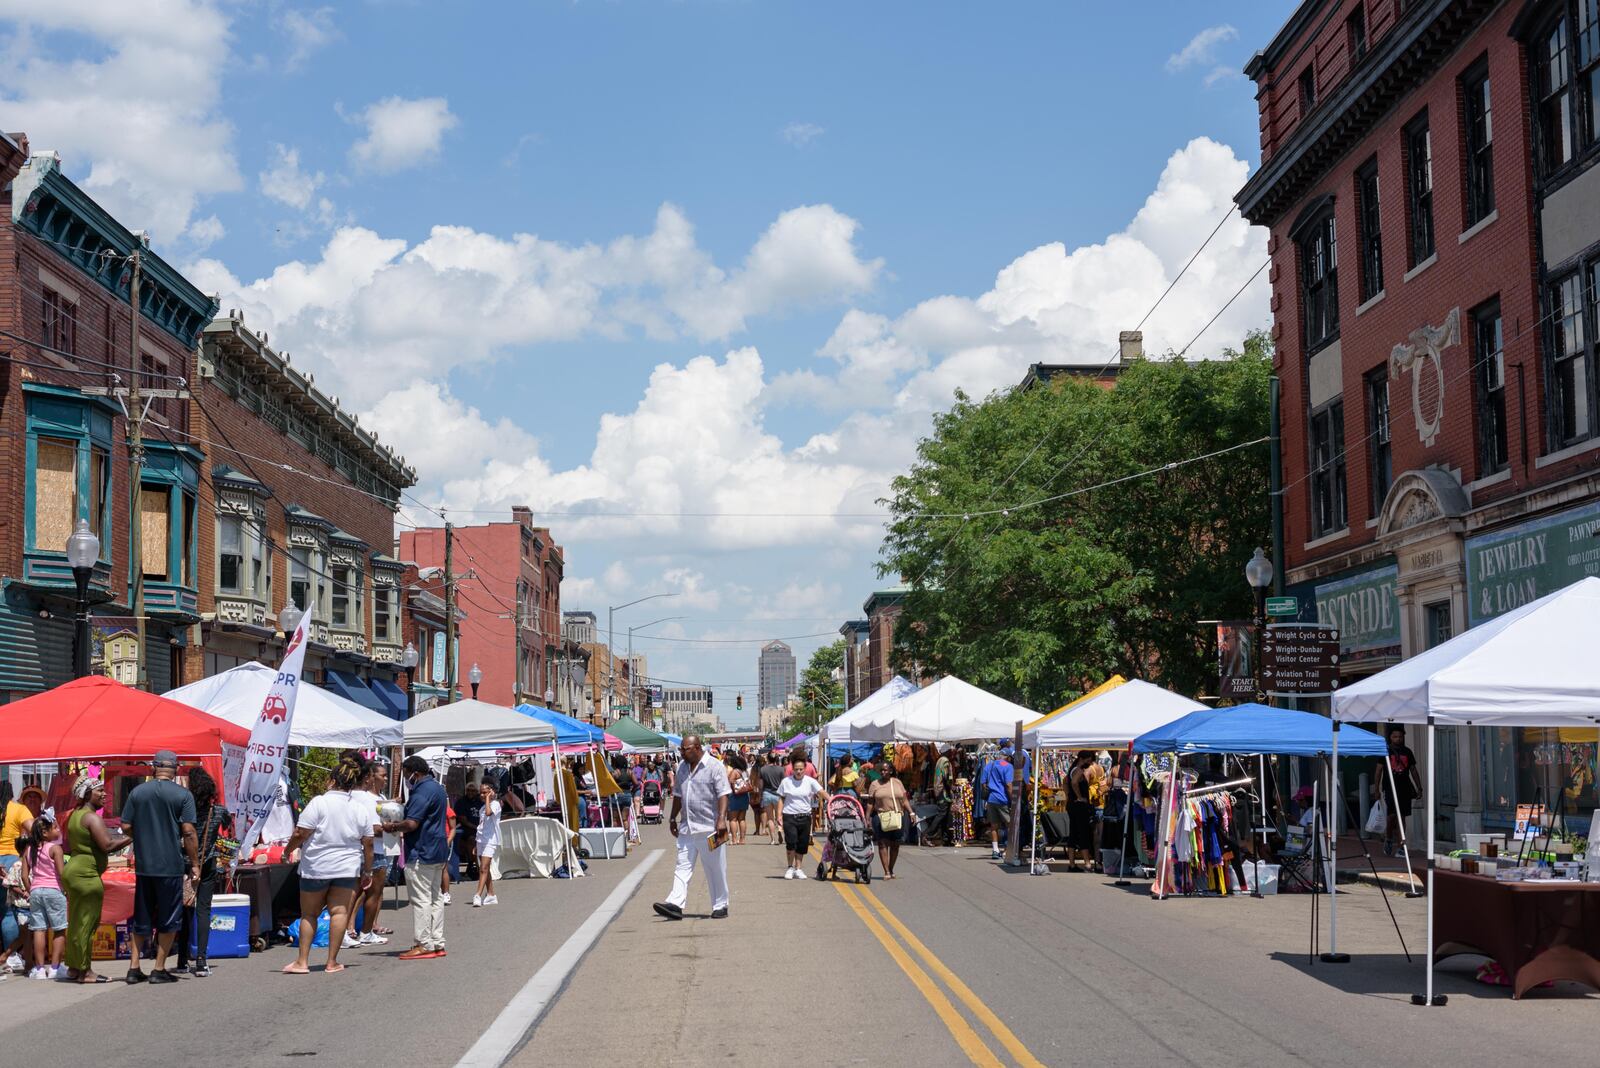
(1353, 867)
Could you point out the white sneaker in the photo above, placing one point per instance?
(350, 941)
(788, 873)
(15, 963)
(447, 897)
(41, 973)
(373, 939)
(491, 900)
(799, 874)
(477, 901)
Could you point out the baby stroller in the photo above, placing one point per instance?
(650, 802)
(847, 845)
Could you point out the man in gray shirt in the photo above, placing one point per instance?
(159, 815)
(700, 823)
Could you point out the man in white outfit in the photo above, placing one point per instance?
(699, 811)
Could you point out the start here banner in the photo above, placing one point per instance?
(265, 756)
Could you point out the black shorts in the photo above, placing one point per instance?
(157, 903)
(884, 837)
(797, 831)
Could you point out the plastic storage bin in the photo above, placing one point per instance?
(1269, 877)
(230, 928)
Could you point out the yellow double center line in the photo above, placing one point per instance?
(866, 905)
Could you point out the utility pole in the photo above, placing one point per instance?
(449, 614)
(136, 411)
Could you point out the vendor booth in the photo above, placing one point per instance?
(637, 737)
(321, 718)
(950, 710)
(573, 735)
(475, 723)
(1535, 666)
(839, 729)
(1110, 720)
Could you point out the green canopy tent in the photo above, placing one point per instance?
(639, 738)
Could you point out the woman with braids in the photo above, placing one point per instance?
(88, 843)
(336, 832)
(211, 819)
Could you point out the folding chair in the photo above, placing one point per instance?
(1056, 827)
(1295, 872)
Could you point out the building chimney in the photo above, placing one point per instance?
(1131, 342)
(522, 514)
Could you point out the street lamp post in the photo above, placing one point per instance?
(633, 683)
(1258, 572)
(611, 640)
(83, 550)
(408, 661)
(289, 618)
(475, 676)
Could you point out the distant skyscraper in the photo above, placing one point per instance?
(777, 675)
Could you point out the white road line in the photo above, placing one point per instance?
(522, 1012)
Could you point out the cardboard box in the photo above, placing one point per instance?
(111, 943)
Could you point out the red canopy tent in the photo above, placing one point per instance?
(97, 717)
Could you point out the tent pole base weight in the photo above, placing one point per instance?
(1422, 999)
(1123, 882)
(1416, 893)
(1335, 958)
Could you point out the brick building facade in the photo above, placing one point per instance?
(508, 579)
(1435, 220)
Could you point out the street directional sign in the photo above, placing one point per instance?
(1283, 606)
(1299, 659)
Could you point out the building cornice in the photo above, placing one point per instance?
(1400, 61)
(48, 205)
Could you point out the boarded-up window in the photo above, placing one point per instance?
(153, 531)
(55, 493)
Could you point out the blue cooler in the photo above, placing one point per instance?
(230, 928)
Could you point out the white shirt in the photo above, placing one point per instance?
(338, 823)
(390, 846)
(797, 794)
(699, 785)
(489, 825)
(278, 827)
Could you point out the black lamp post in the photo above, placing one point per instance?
(475, 676)
(408, 661)
(83, 550)
(1258, 572)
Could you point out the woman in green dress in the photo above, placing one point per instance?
(88, 842)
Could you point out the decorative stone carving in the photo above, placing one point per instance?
(1420, 355)
(233, 611)
(1421, 497)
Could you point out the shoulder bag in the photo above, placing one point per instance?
(890, 821)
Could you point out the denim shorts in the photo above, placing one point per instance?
(317, 886)
(381, 862)
(48, 909)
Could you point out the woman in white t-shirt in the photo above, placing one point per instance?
(487, 845)
(798, 793)
(335, 830)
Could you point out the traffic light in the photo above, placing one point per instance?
(738, 702)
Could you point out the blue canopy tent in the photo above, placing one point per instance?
(859, 750)
(1256, 728)
(569, 731)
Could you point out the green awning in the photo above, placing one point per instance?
(630, 732)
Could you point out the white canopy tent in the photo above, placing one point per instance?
(948, 711)
(838, 729)
(1111, 720)
(471, 722)
(321, 718)
(1534, 666)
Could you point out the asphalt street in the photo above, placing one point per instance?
(958, 961)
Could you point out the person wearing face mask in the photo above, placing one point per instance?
(699, 811)
(427, 846)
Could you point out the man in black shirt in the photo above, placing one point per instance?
(469, 810)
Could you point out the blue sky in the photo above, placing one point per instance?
(709, 256)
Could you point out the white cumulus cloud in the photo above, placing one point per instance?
(801, 134)
(1201, 49)
(285, 182)
(402, 133)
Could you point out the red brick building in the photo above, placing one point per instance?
(1427, 175)
(66, 325)
(508, 579)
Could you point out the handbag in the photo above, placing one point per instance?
(17, 894)
(1378, 819)
(889, 821)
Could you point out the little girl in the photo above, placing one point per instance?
(47, 912)
(488, 843)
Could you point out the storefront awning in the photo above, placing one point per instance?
(392, 697)
(354, 688)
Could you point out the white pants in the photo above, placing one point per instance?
(692, 848)
(427, 903)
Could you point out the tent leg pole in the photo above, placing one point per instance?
(1335, 796)
(1261, 824)
(1033, 839)
(1405, 848)
(1127, 822)
(1428, 997)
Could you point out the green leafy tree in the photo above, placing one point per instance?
(818, 689)
(1040, 603)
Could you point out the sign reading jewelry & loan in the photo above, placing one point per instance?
(1508, 568)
